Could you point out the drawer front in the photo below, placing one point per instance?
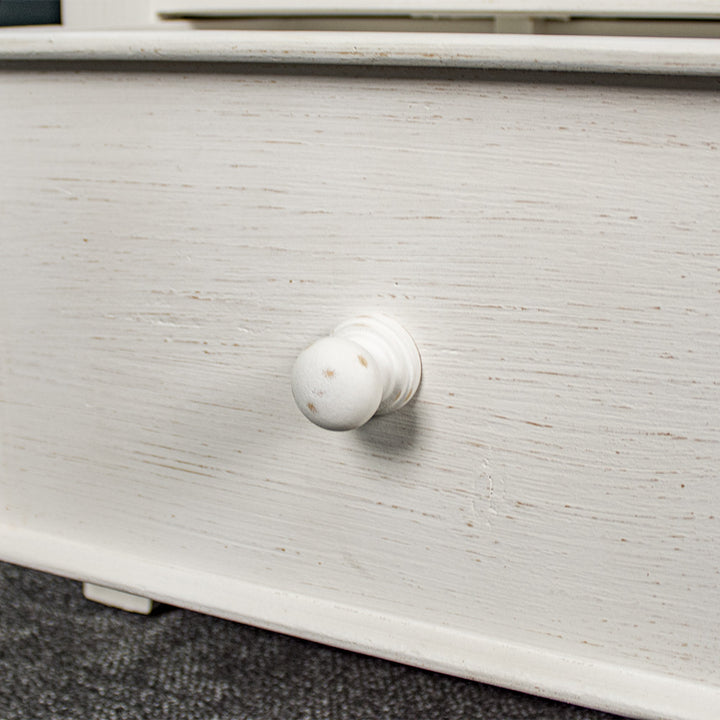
(173, 238)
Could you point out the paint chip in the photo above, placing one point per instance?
(329, 373)
(311, 407)
(363, 361)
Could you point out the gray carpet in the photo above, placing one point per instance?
(63, 657)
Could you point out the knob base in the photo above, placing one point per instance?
(394, 352)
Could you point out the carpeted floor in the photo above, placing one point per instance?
(63, 657)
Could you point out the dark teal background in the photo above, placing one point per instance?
(29, 12)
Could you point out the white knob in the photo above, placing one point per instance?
(368, 366)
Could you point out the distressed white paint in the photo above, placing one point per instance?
(676, 56)
(368, 365)
(544, 515)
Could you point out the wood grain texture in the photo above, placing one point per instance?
(172, 240)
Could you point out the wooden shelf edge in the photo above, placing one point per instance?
(673, 56)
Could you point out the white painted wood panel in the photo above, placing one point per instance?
(548, 503)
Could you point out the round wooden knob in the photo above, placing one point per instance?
(368, 366)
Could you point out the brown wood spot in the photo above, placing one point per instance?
(329, 373)
(363, 361)
(311, 408)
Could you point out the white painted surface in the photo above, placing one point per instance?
(510, 15)
(544, 515)
(674, 56)
(107, 14)
(581, 680)
(615, 8)
(368, 365)
(117, 598)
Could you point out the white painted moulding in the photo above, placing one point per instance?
(675, 56)
(601, 685)
(633, 8)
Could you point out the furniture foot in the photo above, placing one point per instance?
(117, 599)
